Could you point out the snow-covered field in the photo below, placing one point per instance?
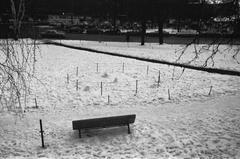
(166, 52)
(190, 123)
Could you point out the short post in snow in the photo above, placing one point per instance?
(108, 99)
(77, 72)
(97, 67)
(169, 96)
(101, 88)
(159, 78)
(123, 66)
(41, 131)
(147, 69)
(67, 78)
(36, 105)
(136, 87)
(210, 91)
(77, 85)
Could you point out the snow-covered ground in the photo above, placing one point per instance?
(166, 52)
(191, 124)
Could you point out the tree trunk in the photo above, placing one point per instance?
(143, 32)
(160, 31)
(178, 25)
(114, 22)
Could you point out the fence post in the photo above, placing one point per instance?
(108, 99)
(77, 85)
(41, 131)
(36, 105)
(210, 91)
(67, 78)
(169, 96)
(159, 76)
(77, 72)
(147, 69)
(101, 88)
(123, 68)
(136, 87)
(97, 67)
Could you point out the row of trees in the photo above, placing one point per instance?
(158, 11)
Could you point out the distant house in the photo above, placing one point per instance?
(65, 19)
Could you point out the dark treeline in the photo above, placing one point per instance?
(131, 10)
(136, 9)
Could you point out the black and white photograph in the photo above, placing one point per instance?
(119, 79)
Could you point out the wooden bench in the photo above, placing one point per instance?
(105, 122)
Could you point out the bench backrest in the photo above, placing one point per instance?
(103, 122)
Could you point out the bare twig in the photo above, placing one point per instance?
(17, 65)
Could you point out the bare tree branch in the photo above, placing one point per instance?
(17, 64)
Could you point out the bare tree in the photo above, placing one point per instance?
(212, 47)
(18, 12)
(17, 64)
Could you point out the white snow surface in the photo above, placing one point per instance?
(191, 123)
(168, 52)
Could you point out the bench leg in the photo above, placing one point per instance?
(80, 135)
(129, 132)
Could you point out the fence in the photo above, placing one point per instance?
(135, 80)
(132, 83)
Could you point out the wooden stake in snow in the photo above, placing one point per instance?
(67, 78)
(136, 87)
(169, 97)
(147, 69)
(101, 88)
(97, 67)
(123, 68)
(159, 76)
(210, 91)
(108, 99)
(77, 85)
(36, 105)
(41, 131)
(77, 72)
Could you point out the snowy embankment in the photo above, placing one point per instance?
(167, 52)
(190, 122)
